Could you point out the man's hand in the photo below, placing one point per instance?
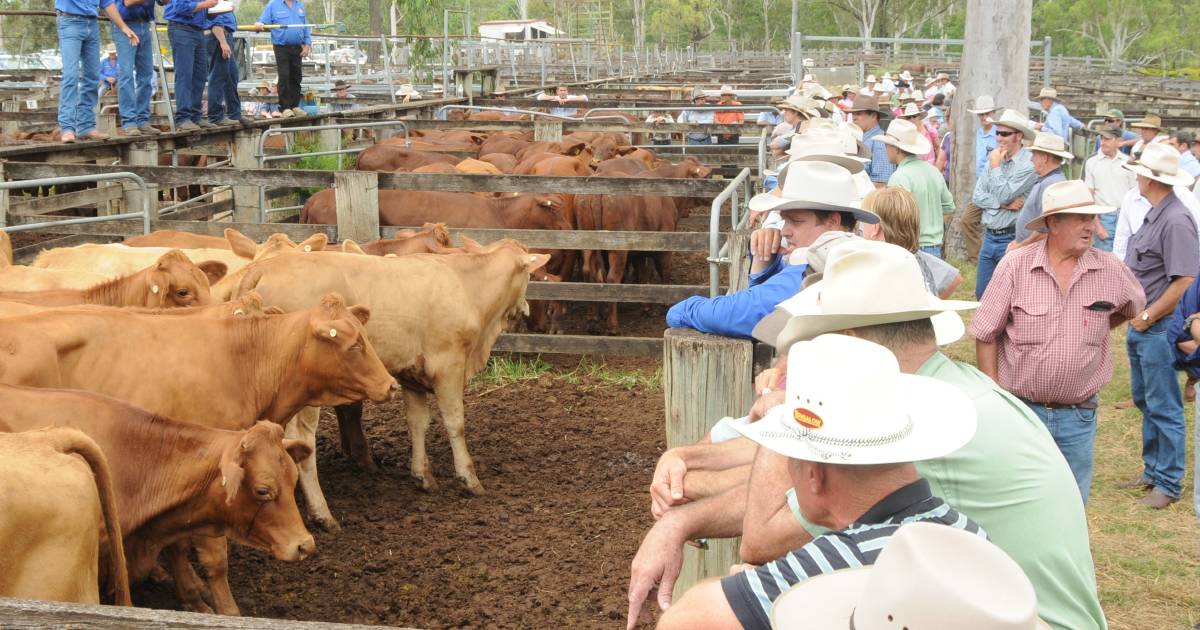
(258, 26)
(666, 487)
(765, 243)
(997, 156)
(225, 52)
(1139, 324)
(1187, 347)
(655, 568)
(304, 51)
(765, 403)
(1011, 246)
(133, 38)
(767, 379)
(1016, 204)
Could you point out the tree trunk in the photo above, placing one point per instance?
(996, 62)
(375, 10)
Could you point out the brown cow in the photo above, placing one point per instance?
(248, 305)
(417, 207)
(504, 162)
(444, 168)
(580, 164)
(469, 296)
(438, 135)
(53, 502)
(176, 479)
(561, 148)
(387, 157)
(277, 244)
(172, 282)
(503, 143)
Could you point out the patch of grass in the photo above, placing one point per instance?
(628, 378)
(506, 370)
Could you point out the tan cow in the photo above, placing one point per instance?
(115, 259)
(175, 479)
(248, 305)
(22, 278)
(438, 317)
(275, 245)
(233, 240)
(55, 506)
(6, 249)
(172, 281)
(430, 239)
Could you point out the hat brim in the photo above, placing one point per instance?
(922, 146)
(1040, 221)
(943, 420)
(1144, 125)
(948, 326)
(1027, 132)
(1178, 179)
(1066, 155)
(766, 202)
(985, 111)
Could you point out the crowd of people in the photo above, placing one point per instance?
(864, 433)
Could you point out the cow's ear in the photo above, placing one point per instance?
(214, 270)
(314, 243)
(232, 474)
(361, 312)
(626, 150)
(470, 244)
(350, 247)
(298, 449)
(241, 244)
(576, 148)
(534, 262)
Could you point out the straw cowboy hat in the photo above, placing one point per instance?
(812, 185)
(942, 76)
(1049, 93)
(906, 76)
(911, 110)
(826, 418)
(698, 92)
(871, 79)
(928, 576)
(1047, 142)
(801, 104)
(1015, 121)
(929, 80)
(727, 89)
(1150, 121)
(984, 105)
(407, 89)
(849, 87)
(826, 145)
(866, 283)
(1067, 197)
(868, 104)
(904, 135)
(1159, 161)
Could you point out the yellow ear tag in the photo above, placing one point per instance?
(154, 289)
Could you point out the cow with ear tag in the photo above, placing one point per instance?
(172, 281)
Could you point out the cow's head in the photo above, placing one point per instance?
(174, 281)
(258, 489)
(554, 207)
(694, 169)
(338, 361)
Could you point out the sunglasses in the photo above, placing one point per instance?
(1005, 134)
(1112, 120)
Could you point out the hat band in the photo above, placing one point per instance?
(814, 440)
(1082, 204)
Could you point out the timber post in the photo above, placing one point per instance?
(141, 154)
(357, 194)
(705, 378)
(547, 130)
(739, 259)
(3, 198)
(10, 127)
(243, 155)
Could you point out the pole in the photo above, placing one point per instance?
(797, 61)
(445, 52)
(387, 69)
(162, 75)
(1046, 42)
(795, 17)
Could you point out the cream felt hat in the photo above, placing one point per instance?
(826, 418)
(815, 186)
(1053, 144)
(1150, 121)
(984, 105)
(1015, 121)
(1049, 93)
(826, 145)
(1159, 161)
(1067, 197)
(904, 135)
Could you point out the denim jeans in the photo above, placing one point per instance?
(704, 140)
(79, 40)
(990, 254)
(1109, 221)
(1196, 472)
(932, 250)
(1155, 387)
(1074, 431)
(191, 71)
(223, 99)
(135, 80)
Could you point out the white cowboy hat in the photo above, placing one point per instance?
(1067, 197)
(887, 76)
(1047, 142)
(1012, 119)
(1159, 161)
(407, 89)
(815, 186)
(826, 145)
(928, 576)
(906, 76)
(1049, 93)
(984, 105)
(826, 418)
(727, 89)
(807, 62)
(865, 283)
(870, 79)
(801, 104)
(904, 135)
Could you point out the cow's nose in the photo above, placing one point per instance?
(306, 549)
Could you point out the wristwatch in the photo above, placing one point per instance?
(1145, 316)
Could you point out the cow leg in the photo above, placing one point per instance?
(213, 554)
(303, 426)
(449, 390)
(417, 406)
(616, 274)
(188, 586)
(354, 441)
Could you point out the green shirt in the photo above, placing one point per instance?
(1012, 480)
(925, 182)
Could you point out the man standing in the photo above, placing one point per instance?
(79, 42)
(562, 95)
(109, 69)
(1114, 121)
(985, 142)
(1048, 153)
(699, 117)
(1059, 121)
(728, 99)
(867, 115)
(1042, 329)
(1149, 131)
(224, 104)
(135, 72)
(186, 21)
(1183, 141)
(292, 43)
(1109, 181)
(1164, 255)
(1000, 192)
(904, 143)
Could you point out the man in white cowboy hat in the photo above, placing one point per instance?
(1164, 255)
(868, 86)
(1105, 174)
(728, 98)
(1010, 477)
(928, 577)
(698, 117)
(1059, 120)
(815, 197)
(1000, 192)
(904, 144)
(849, 458)
(1049, 152)
(109, 69)
(795, 110)
(1030, 336)
(886, 85)
(1149, 130)
(824, 141)
(867, 115)
(1135, 207)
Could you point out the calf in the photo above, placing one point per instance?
(248, 305)
(173, 281)
(115, 259)
(432, 238)
(416, 207)
(387, 157)
(544, 146)
(233, 240)
(503, 162)
(53, 501)
(503, 144)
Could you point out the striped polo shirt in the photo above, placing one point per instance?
(752, 592)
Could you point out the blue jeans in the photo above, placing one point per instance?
(1109, 221)
(223, 99)
(1155, 387)
(932, 250)
(704, 140)
(191, 71)
(135, 80)
(79, 40)
(990, 254)
(1196, 472)
(1074, 431)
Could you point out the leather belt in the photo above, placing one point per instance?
(1087, 404)
(76, 15)
(1005, 231)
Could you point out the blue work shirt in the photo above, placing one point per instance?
(736, 315)
(184, 12)
(78, 7)
(108, 68)
(278, 12)
(227, 21)
(140, 13)
(880, 169)
(1177, 332)
(984, 143)
(1060, 122)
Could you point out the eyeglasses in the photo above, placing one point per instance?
(1112, 120)
(1005, 134)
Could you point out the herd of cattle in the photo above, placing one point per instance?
(117, 458)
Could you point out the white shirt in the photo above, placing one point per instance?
(887, 86)
(1160, 138)
(1134, 209)
(1108, 180)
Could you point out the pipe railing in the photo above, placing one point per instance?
(82, 179)
(714, 230)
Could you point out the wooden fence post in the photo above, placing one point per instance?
(141, 154)
(243, 155)
(3, 198)
(547, 130)
(705, 378)
(357, 194)
(739, 259)
(10, 127)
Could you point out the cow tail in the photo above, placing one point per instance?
(78, 443)
(304, 210)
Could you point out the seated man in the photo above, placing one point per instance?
(815, 198)
(849, 459)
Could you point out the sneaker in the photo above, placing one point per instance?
(68, 137)
(96, 134)
(299, 111)
(131, 131)
(204, 124)
(287, 113)
(147, 130)
(187, 126)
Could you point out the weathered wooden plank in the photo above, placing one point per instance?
(64, 201)
(27, 613)
(202, 211)
(357, 205)
(578, 344)
(591, 292)
(569, 126)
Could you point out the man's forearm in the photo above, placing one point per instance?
(702, 484)
(987, 356)
(219, 33)
(718, 517)
(717, 457)
(1166, 303)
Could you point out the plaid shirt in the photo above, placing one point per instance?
(880, 169)
(1053, 348)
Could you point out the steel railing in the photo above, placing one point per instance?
(82, 179)
(715, 259)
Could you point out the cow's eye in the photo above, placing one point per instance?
(183, 293)
(358, 347)
(262, 493)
